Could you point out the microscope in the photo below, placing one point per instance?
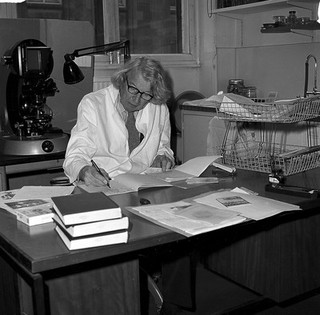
(26, 127)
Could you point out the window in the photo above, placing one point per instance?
(152, 26)
(165, 28)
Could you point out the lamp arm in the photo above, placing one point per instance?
(97, 49)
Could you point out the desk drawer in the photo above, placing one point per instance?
(34, 166)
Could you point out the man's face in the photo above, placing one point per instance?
(135, 93)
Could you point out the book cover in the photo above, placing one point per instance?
(92, 241)
(93, 227)
(82, 208)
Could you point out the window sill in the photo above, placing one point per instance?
(173, 61)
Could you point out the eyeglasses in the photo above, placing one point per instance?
(134, 91)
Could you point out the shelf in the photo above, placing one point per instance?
(264, 6)
(287, 29)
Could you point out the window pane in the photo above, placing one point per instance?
(152, 26)
(77, 10)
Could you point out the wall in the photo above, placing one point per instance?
(271, 62)
(203, 77)
(62, 37)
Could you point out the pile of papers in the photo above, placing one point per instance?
(32, 205)
(212, 211)
(155, 178)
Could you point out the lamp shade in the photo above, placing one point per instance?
(72, 73)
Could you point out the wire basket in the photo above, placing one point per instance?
(254, 110)
(266, 147)
(266, 158)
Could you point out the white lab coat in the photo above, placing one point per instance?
(100, 134)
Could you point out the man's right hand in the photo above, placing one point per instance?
(90, 176)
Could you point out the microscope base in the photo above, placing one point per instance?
(47, 144)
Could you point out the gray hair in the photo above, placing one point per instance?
(152, 71)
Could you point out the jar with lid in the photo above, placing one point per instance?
(292, 18)
(250, 92)
(235, 86)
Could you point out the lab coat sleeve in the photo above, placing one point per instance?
(165, 140)
(81, 146)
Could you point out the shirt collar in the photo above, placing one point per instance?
(123, 113)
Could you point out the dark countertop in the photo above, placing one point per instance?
(186, 106)
(21, 159)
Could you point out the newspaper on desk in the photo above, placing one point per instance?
(212, 211)
(188, 218)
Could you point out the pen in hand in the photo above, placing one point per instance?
(99, 171)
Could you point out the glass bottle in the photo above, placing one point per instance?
(235, 86)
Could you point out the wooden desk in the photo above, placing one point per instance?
(105, 280)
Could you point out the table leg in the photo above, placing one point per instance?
(3, 178)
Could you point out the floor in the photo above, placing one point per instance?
(216, 295)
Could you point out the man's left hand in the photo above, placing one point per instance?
(163, 162)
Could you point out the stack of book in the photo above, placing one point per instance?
(89, 220)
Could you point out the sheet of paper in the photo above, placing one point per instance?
(126, 183)
(203, 180)
(10, 203)
(192, 168)
(197, 165)
(27, 192)
(248, 205)
(188, 218)
(115, 189)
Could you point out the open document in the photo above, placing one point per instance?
(192, 168)
(211, 211)
(154, 177)
(248, 205)
(188, 218)
(126, 183)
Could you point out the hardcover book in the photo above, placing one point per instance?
(93, 227)
(92, 241)
(82, 208)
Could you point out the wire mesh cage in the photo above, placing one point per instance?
(263, 147)
(259, 110)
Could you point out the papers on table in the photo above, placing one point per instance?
(192, 168)
(212, 211)
(32, 205)
(42, 191)
(248, 205)
(154, 177)
(188, 218)
(127, 182)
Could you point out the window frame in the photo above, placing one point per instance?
(190, 35)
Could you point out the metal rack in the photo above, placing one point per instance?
(255, 136)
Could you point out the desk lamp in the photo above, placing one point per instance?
(71, 72)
